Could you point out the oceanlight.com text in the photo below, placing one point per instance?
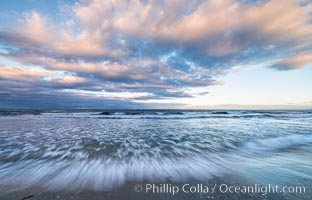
(217, 188)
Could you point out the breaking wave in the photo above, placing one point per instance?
(105, 173)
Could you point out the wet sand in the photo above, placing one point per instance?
(127, 192)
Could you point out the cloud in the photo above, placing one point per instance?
(61, 100)
(212, 28)
(44, 36)
(293, 62)
(215, 28)
(23, 74)
(34, 74)
(137, 71)
(156, 48)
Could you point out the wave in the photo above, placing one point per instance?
(161, 114)
(106, 173)
(225, 116)
(135, 112)
(277, 143)
(19, 112)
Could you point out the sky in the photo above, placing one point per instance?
(219, 54)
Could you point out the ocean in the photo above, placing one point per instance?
(92, 154)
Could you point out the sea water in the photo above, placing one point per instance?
(102, 151)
